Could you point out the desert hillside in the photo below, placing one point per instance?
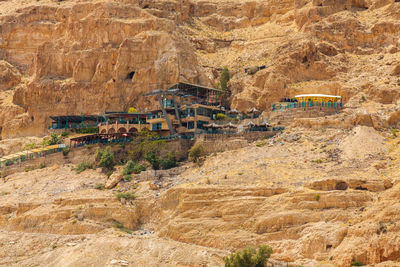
(63, 57)
(324, 192)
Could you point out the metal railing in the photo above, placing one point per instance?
(290, 105)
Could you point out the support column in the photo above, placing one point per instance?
(171, 129)
(178, 117)
(195, 118)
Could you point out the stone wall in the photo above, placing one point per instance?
(285, 117)
(224, 142)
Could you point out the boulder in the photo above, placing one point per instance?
(114, 179)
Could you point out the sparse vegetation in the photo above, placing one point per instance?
(105, 158)
(196, 152)
(249, 257)
(30, 146)
(126, 196)
(84, 165)
(99, 186)
(169, 162)
(127, 177)
(261, 144)
(357, 263)
(121, 227)
(132, 168)
(64, 134)
(65, 151)
(153, 159)
(317, 197)
(42, 165)
(54, 140)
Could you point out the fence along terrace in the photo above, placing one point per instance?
(309, 101)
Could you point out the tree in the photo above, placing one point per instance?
(224, 79)
(169, 162)
(249, 257)
(153, 159)
(106, 158)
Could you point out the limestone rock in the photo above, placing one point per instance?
(113, 180)
(9, 75)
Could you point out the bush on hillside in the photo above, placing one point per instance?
(65, 151)
(54, 140)
(169, 162)
(196, 152)
(153, 159)
(105, 158)
(249, 257)
(84, 166)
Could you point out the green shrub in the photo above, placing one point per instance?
(132, 167)
(196, 152)
(30, 146)
(249, 257)
(317, 197)
(121, 227)
(64, 134)
(139, 168)
(127, 177)
(66, 150)
(84, 166)
(99, 186)
(126, 195)
(220, 116)
(153, 159)
(168, 162)
(54, 140)
(357, 263)
(42, 165)
(106, 158)
(128, 169)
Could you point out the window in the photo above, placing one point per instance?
(200, 124)
(156, 126)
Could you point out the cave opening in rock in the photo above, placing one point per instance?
(361, 188)
(341, 186)
(32, 118)
(130, 75)
(305, 59)
(146, 6)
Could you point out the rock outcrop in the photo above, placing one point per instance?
(81, 57)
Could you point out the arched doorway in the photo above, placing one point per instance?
(122, 130)
(104, 131)
(111, 131)
(133, 130)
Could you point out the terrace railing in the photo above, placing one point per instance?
(285, 106)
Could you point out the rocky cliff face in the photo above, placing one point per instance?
(78, 57)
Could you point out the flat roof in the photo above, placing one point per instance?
(184, 89)
(318, 95)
